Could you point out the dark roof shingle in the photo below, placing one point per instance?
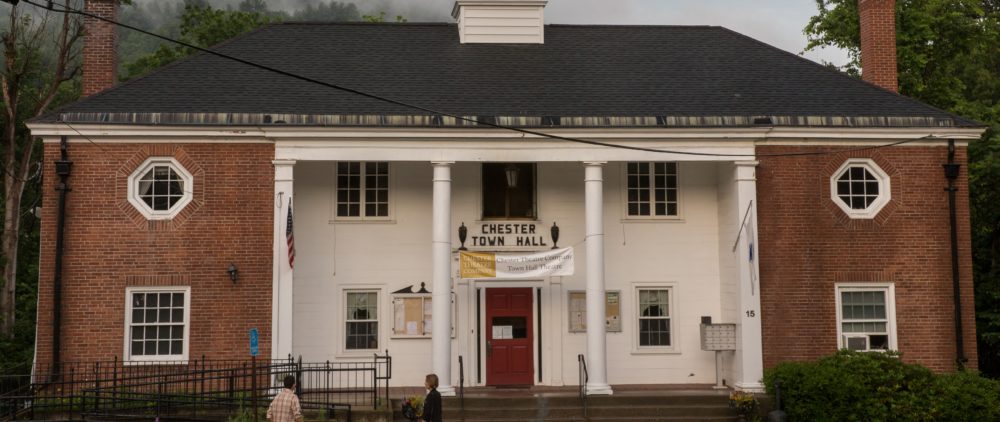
(693, 72)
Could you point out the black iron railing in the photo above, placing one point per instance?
(584, 378)
(461, 386)
(198, 389)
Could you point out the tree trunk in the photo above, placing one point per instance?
(8, 247)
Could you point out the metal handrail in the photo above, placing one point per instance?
(584, 378)
(461, 385)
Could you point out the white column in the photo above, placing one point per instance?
(750, 352)
(441, 277)
(281, 295)
(597, 354)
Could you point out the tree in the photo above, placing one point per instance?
(202, 26)
(948, 54)
(381, 18)
(328, 12)
(40, 57)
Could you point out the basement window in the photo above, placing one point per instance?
(160, 188)
(860, 188)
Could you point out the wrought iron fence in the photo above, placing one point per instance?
(200, 389)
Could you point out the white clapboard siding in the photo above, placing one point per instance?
(500, 21)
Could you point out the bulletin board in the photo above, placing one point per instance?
(413, 315)
(578, 311)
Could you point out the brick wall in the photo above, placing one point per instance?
(878, 42)
(100, 47)
(807, 244)
(109, 246)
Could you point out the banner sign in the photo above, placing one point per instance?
(485, 265)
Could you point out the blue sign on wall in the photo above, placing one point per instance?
(253, 342)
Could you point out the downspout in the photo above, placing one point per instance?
(63, 167)
(951, 172)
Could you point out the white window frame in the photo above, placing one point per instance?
(890, 310)
(363, 184)
(379, 326)
(884, 188)
(127, 343)
(652, 194)
(145, 209)
(672, 313)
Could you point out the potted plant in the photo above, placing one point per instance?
(413, 408)
(746, 405)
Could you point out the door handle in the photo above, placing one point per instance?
(489, 348)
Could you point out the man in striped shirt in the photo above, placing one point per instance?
(285, 406)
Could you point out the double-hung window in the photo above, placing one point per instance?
(654, 318)
(866, 317)
(362, 190)
(157, 322)
(362, 320)
(651, 189)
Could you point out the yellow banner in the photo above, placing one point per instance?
(478, 264)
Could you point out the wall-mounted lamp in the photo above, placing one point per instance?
(234, 273)
(462, 233)
(512, 171)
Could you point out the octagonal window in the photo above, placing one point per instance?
(860, 188)
(160, 188)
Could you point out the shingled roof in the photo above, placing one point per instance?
(582, 75)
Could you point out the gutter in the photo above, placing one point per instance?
(951, 170)
(63, 168)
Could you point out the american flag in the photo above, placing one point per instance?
(290, 236)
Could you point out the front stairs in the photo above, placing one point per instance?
(524, 405)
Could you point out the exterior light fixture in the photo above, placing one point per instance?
(234, 273)
(462, 233)
(512, 172)
(554, 233)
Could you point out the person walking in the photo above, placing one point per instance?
(432, 403)
(285, 406)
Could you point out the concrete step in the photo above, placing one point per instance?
(568, 407)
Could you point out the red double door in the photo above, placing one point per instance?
(509, 337)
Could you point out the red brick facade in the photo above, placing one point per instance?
(100, 47)
(878, 43)
(109, 246)
(807, 244)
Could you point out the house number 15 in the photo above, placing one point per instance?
(751, 313)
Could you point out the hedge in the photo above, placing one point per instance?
(853, 386)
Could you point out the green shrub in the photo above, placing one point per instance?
(852, 386)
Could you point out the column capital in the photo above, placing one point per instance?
(594, 163)
(278, 163)
(442, 163)
(746, 163)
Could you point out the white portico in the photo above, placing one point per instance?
(437, 184)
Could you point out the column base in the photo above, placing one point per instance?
(446, 390)
(598, 389)
(752, 387)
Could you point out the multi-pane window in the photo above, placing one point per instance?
(362, 189)
(865, 318)
(857, 187)
(160, 188)
(157, 321)
(654, 318)
(362, 320)
(860, 188)
(651, 189)
(509, 190)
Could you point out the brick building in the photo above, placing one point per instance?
(732, 180)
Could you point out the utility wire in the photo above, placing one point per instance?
(67, 9)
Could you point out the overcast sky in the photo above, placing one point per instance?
(776, 22)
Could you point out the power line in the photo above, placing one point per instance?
(67, 9)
